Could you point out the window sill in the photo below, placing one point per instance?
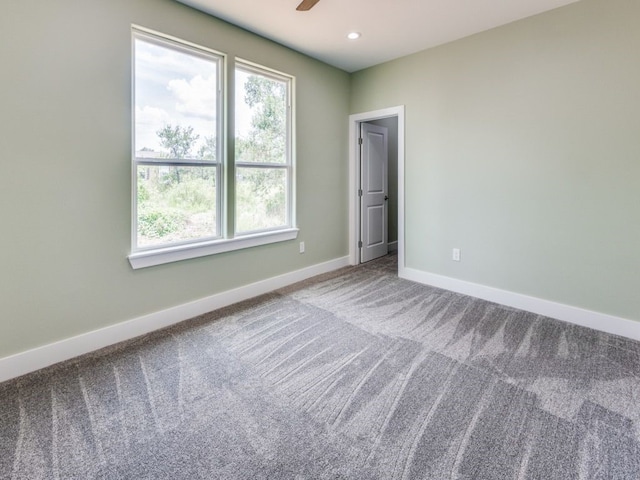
(149, 258)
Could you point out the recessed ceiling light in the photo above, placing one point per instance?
(353, 35)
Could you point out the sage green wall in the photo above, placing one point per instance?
(65, 196)
(523, 150)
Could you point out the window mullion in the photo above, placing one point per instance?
(176, 162)
(262, 165)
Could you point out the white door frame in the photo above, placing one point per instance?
(354, 179)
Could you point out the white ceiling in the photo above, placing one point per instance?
(390, 28)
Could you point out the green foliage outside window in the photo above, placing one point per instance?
(261, 192)
(177, 203)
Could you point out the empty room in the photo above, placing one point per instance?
(320, 239)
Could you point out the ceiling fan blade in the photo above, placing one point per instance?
(306, 5)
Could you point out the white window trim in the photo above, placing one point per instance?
(170, 254)
(151, 256)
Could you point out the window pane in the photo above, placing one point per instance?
(175, 102)
(175, 204)
(261, 118)
(261, 199)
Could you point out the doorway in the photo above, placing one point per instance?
(359, 229)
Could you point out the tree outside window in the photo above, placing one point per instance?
(263, 165)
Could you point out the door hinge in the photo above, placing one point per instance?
(360, 192)
(360, 244)
(360, 141)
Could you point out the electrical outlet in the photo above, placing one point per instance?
(301, 247)
(455, 255)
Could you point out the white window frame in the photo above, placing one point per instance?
(171, 43)
(288, 166)
(226, 241)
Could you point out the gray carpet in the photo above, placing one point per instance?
(352, 375)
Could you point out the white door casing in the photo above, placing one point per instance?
(374, 188)
(355, 225)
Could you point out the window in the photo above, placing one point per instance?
(262, 149)
(180, 210)
(177, 107)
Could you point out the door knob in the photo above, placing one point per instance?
(386, 198)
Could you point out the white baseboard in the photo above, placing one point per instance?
(586, 318)
(37, 358)
(392, 246)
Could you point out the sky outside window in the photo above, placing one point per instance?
(173, 88)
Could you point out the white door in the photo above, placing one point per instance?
(373, 192)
